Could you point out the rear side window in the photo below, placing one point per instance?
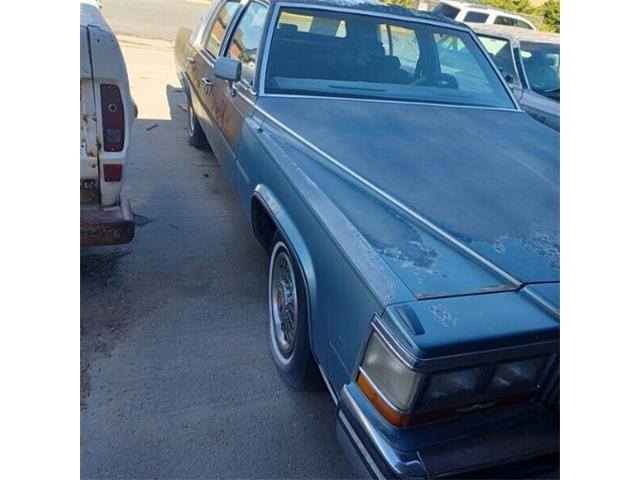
(246, 39)
(500, 20)
(296, 22)
(446, 10)
(477, 17)
(220, 25)
(522, 24)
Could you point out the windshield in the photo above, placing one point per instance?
(329, 53)
(542, 65)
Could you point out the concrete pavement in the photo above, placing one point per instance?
(156, 19)
(177, 379)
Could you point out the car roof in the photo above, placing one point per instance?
(481, 7)
(373, 6)
(515, 34)
(90, 15)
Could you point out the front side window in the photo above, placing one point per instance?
(246, 39)
(541, 63)
(477, 17)
(220, 26)
(382, 58)
(500, 51)
(522, 24)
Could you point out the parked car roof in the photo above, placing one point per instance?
(515, 34)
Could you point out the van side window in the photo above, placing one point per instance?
(500, 20)
(522, 24)
(477, 17)
(246, 39)
(220, 25)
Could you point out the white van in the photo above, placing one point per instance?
(106, 121)
(479, 13)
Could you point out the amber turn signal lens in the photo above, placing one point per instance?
(394, 418)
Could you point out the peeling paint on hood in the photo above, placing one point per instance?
(488, 178)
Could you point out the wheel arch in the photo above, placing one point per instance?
(268, 215)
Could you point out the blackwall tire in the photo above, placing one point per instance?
(194, 130)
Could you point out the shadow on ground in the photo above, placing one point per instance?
(177, 379)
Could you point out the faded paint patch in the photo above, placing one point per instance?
(544, 244)
(445, 317)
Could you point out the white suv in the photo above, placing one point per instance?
(478, 13)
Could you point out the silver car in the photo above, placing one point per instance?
(530, 62)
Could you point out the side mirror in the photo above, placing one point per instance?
(507, 76)
(228, 69)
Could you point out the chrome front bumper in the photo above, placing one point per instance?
(510, 449)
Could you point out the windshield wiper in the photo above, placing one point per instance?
(552, 90)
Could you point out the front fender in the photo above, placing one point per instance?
(290, 232)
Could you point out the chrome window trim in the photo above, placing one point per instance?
(280, 5)
(230, 27)
(383, 100)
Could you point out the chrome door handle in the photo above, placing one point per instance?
(206, 81)
(190, 59)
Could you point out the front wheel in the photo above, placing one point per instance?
(194, 130)
(289, 318)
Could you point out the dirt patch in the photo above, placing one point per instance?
(105, 312)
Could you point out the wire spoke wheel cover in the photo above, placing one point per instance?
(283, 302)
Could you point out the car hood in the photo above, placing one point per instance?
(456, 200)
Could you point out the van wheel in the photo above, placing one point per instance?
(194, 130)
(288, 318)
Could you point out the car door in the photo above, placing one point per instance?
(230, 107)
(192, 60)
(204, 80)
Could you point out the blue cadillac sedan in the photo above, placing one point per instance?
(410, 209)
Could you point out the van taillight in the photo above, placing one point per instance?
(112, 118)
(112, 172)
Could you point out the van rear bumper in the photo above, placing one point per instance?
(100, 225)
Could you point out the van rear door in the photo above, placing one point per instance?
(89, 151)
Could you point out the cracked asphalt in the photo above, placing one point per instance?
(176, 375)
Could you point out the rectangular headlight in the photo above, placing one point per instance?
(453, 386)
(395, 381)
(517, 376)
